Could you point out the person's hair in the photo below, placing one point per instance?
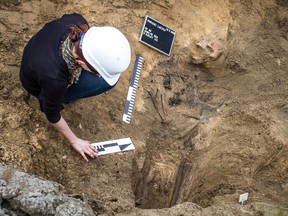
(74, 36)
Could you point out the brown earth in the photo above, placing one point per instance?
(210, 122)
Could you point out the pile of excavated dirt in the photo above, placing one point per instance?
(209, 122)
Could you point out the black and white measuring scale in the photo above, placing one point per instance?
(114, 146)
(134, 81)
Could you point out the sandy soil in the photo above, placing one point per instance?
(209, 123)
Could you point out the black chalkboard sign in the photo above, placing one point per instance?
(157, 36)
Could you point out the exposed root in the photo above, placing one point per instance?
(178, 182)
(270, 160)
(156, 106)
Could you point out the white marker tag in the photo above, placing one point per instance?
(243, 197)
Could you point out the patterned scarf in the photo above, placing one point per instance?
(73, 67)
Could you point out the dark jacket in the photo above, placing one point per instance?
(43, 70)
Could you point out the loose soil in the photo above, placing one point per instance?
(210, 122)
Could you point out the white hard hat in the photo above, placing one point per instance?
(108, 51)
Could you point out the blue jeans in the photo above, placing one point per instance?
(88, 85)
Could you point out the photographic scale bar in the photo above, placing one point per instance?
(132, 89)
(114, 146)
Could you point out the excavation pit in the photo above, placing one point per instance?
(209, 122)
